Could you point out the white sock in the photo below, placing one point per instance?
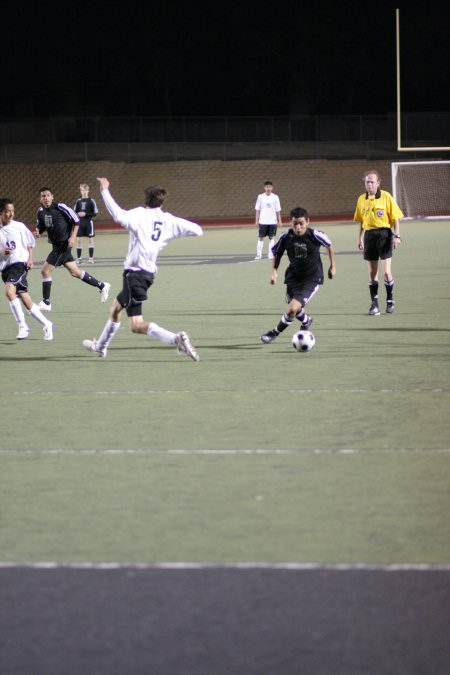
(271, 243)
(160, 334)
(259, 248)
(36, 313)
(16, 309)
(107, 334)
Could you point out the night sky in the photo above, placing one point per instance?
(188, 57)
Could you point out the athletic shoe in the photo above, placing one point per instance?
(270, 256)
(269, 337)
(23, 333)
(390, 307)
(258, 257)
(374, 309)
(184, 346)
(44, 306)
(91, 346)
(306, 324)
(78, 261)
(91, 260)
(48, 331)
(105, 291)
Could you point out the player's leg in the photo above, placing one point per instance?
(372, 265)
(272, 235)
(46, 273)
(388, 284)
(260, 242)
(16, 310)
(79, 249)
(36, 313)
(91, 249)
(75, 271)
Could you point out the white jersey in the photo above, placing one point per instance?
(150, 230)
(268, 206)
(17, 236)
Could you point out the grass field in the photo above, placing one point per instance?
(260, 512)
(256, 453)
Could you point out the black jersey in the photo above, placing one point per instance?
(303, 253)
(88, 205)
(58, 220)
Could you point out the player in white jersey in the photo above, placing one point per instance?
(267, 218)
(150, 229)
(16, 245)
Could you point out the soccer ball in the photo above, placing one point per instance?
(303, 341)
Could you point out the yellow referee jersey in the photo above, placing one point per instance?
(378, 211)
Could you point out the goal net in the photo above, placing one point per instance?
(422, 189)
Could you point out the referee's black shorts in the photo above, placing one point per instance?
(378, 244)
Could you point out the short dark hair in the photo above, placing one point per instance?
(4, 201)
(299, 212)
(45, 189)
(155, 196)
(268, 182)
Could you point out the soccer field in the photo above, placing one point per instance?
(255, 454)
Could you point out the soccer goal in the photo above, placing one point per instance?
(422, 189)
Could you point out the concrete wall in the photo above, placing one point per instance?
(197, 189)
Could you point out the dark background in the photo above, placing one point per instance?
(200, 57)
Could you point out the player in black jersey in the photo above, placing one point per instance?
(61, 224)
(304, 275)
(86, 209)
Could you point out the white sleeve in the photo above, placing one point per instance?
(31, 241)
(118, 214)
(185, 228)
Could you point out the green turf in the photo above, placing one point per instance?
(256, 453)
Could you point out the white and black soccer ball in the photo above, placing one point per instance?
(303, 341)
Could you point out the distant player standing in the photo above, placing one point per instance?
(16, 246)
(61, 224)
(377, 212)
(267, 218)
(150, 230)
(86, 209)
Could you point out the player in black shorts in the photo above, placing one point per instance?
(304, 275)
(86, 209)
(61, 224)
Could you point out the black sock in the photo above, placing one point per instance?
(92, 281)
(46, 288)
(284, 323)
(373, 288)
(389, 286)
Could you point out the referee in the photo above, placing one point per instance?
(378, 216)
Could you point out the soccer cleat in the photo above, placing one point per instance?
(184, 346)
(306, 324)
(23, 333)
(78, 260)
(390, 307)
(105, 291)
(374, 309)
(45, 306)
(91, 260)
(258, 257)
(269, 337)
(91, 346)
(48, 331)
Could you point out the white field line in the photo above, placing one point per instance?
(223, 451)
(289, 566)
(245, 392)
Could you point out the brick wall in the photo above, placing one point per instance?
(198, 189)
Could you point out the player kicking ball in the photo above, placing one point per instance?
(150, 229)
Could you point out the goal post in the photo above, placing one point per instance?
(421, 189)
(400, 147)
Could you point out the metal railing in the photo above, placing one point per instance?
(136, 139)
